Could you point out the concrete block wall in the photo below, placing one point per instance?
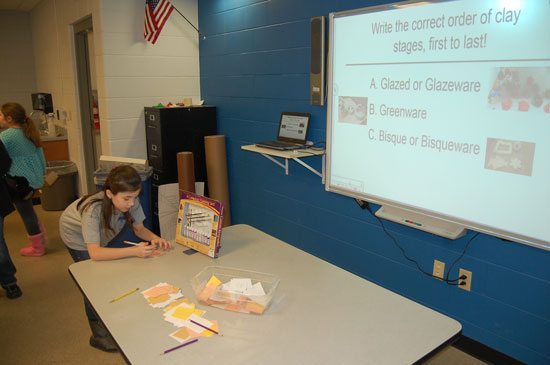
(255, 64)
(54, 63)
(130, 73)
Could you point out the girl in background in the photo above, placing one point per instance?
(22, 141)
(7, 268)
(93, 226)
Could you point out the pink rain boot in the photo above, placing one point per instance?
(43, 231)
(37, 243)
(36, 248)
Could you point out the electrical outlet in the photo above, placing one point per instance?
(468, 279)
(439, 269)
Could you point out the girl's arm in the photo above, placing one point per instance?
(98, 253)
(147, 235)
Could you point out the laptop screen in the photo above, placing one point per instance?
(294, 127)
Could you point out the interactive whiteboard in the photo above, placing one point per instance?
(442, 108)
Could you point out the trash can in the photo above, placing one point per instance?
(144, 196)
(58, 190)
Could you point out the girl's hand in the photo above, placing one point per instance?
(144, 250)
(161, 243)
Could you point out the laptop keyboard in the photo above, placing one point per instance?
(279, 145)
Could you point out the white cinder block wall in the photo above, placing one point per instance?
(130, 73)
(137, 74)
(17, 77)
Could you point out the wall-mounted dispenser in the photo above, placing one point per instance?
(43, 102)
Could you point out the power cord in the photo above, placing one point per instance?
(458, 259)
(365, 205)
(316, 145)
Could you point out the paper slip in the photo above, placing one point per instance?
(237, 285)
(220, 295)
(184, 334)
(161, 295)
(175, 303)
(157, 253)
(181, 335)
(237, 295)
(198, 331)
(180, 314)
(213, 282)
(183, 315)
(235, 288)
(256, 289)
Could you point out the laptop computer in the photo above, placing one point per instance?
(293, 128)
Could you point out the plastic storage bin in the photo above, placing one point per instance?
(61, 193)
(144, 196)
(213, 286)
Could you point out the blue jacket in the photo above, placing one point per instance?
(27, 159)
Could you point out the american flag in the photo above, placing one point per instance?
(156, 14)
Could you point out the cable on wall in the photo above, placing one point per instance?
(365, 205)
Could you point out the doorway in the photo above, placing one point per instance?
(88, 103)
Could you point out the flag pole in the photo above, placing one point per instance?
(203, 37)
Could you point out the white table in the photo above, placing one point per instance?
(320, 314)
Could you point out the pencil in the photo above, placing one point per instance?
(193, 220)
(197, 214)
(180, 346)
(134, 243)
(206, 328)
(123, 295)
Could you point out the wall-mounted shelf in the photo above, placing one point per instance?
(295, 155)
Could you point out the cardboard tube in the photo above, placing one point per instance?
(216, 170)
(186, 172)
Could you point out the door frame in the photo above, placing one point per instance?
(85, 98)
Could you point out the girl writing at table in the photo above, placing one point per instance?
(93, 227)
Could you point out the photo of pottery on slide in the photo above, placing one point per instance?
(352, 109)
(505, 155)
(524, 89)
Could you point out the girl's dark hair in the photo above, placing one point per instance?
(19, 116)
(121, 179)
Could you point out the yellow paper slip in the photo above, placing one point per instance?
(176, 303)
(184, 313)
(213, 282)
(182, 334)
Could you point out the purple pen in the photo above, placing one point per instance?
(206, 328)
(180, 346)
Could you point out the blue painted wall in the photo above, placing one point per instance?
(255, 64)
